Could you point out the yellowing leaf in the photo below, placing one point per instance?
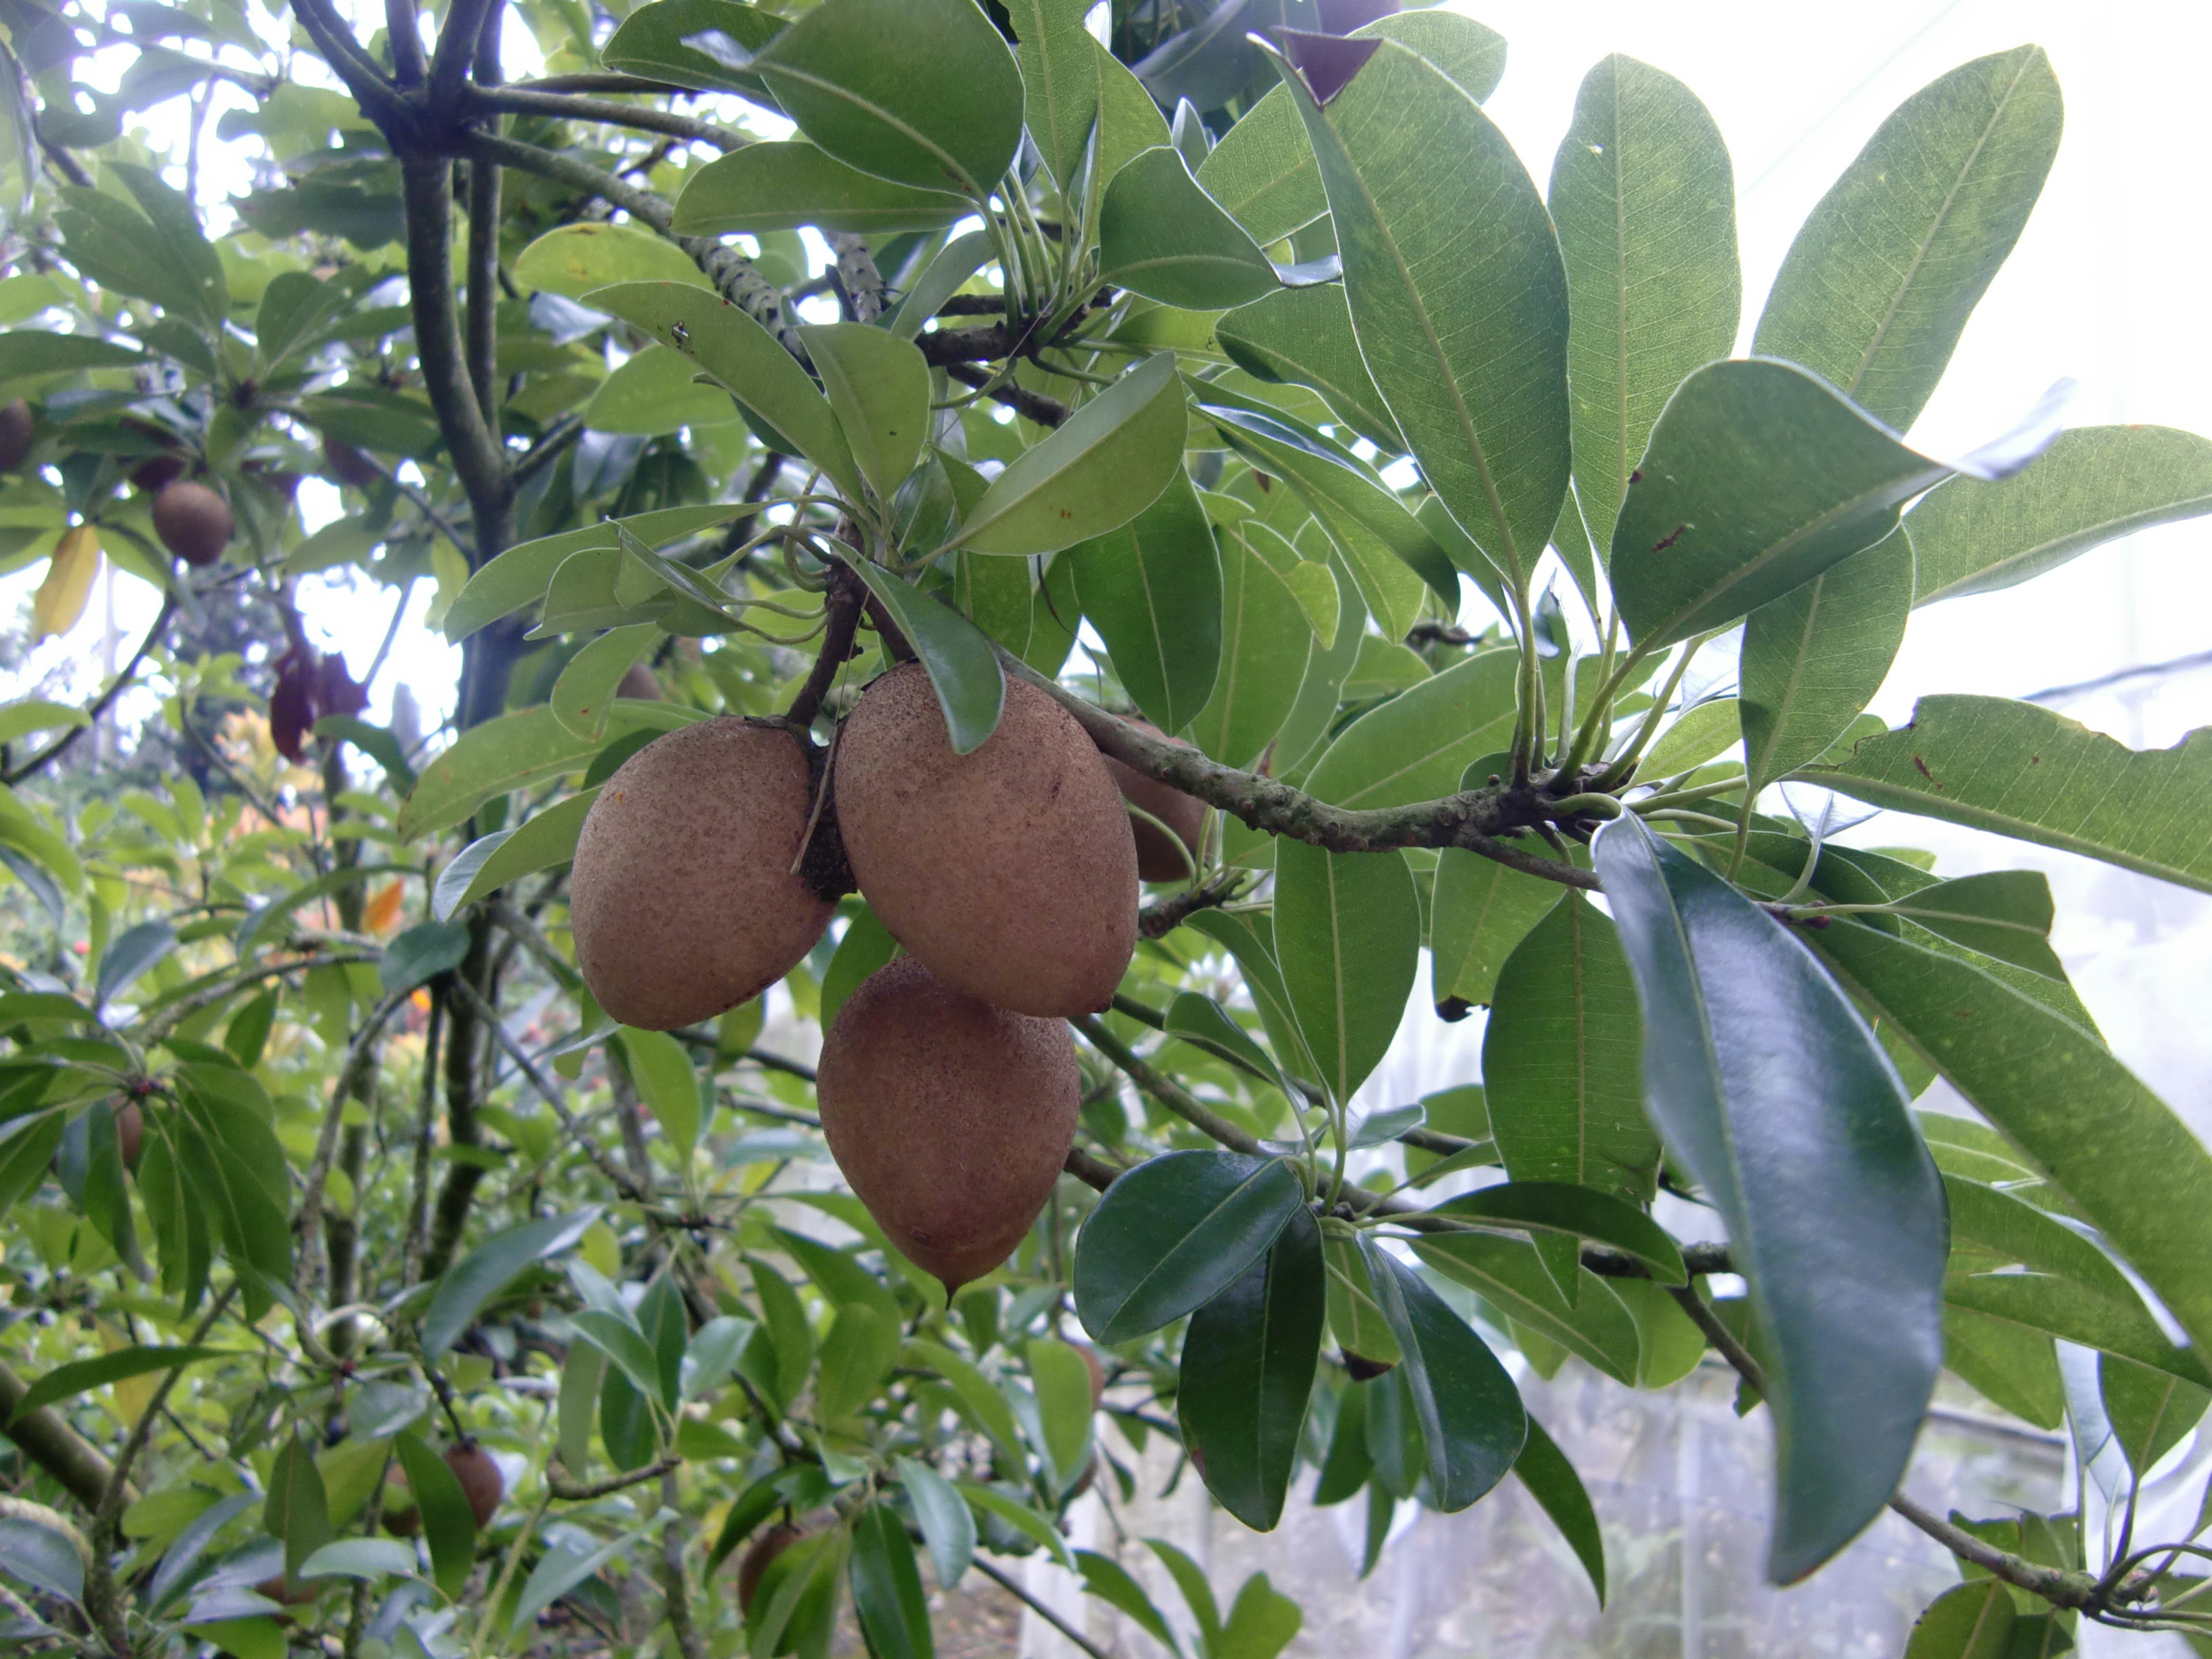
(60, 599)
(383, 908)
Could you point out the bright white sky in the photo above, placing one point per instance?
(2107, 286)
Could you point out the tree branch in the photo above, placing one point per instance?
(363, 75)
(60, 746)
(484, 258)
(49, 1442)
(531, 101)
(426, 193)
(1038, 1608)
(1162, 916)
(456, 47)
(1169, 1093)
(841, 609)
(403, 28)
(1030, 405)
(856, 269)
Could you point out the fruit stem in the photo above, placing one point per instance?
(841, 609)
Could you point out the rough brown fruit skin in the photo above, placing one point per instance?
(950, 1118)
(1158, 858)
(1010, 872)
(759, 1556)
(683, 900)
(130, 1132)
(281, 1588)
(482, 1484)
(193, 522)
(14, 434)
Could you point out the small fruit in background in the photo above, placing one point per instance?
(482, 1483)
(401, 1515)
(1161, 856)
(637, 681)
(760, 1555)
(130, 1132)
(16, 427)
(350, 466)
(157, 472)
(193, 521)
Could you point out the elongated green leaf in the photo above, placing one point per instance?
(746, 358)
(509, 752)
(2082, 1119)
(572, 260)
(559, 1569)
(487, 864)
(1510, 1275)
(1645, 199)
(654, 41)
(963, 668)
(1248, 1367)
(1110, 1582)
(1777, 1099)
(297, 1512)
(661, 1066)
(961, 258)
(1265, 644)
(449, 1525)
(519, 575)
(1174, 1233)
(782, 187)
(1419, 746)
(887, 1593)
(2150, 1411)
(1481, 911)
(1302, 336)
(1019, 1515)
(586, 690)
(1879, 285)
(1472, 1421)
(25, 352)
(855, 1356)
(66, 1381)
(2063, 1309)
(1161, 236)
(1543, 1468)
(1060, 80)
(1261, 1622)
(947, 1526)
(1574, 1212)
(1063, 1383)
(1757, 478)
(1813, 658)
(1348, 936)
(878, 385)
(130, 954)
(1440, 225)
(1251, 941)
(984, 1404)
(2013, 1367)
(1153, 590)
(1985, 1221)
(2021, 770)
(1701, 734)
(654, 392)
(921, 92)
(1971, 1621)
(1105, 466)
(484, 1273)
(2094, 484)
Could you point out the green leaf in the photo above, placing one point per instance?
(559, 1569)
(1251, 941)
(1161, 236)
(27, 352)
(130, 954)
(856, 1355)
(1060, 80)
(661, 1066)
(485, 866)
(1261, 1622)
(1248, 1367)
(1356, 1320)
(360, 1558)
(1153, 590)
(1970, 1621)
(42, 1558)
(1419, 746)
(1174, 1232)
(1471, 1418)
(2094, 484)
(2016, 1369)
(635, 1362)
(421, 953)
(867, 946)
(947, 1526)
(655, 392)
(1107, 463)
(782, 187)
(1062, 1383)
(982, 1401)
(1303, 337)
(960, 259)
(296, 1511)
(1481, 911)
(745, 359)
(651, 42)
(2150, 1410)
(878, 385)
(585, 692)
(2021, 770)
(1701, 734)
(1559, 1062)
(1813, 658)
(1438, 224)
(1110, 1582)
(465, 1286)
(920, 92)
(573, 260)
(1565, 1210)
(449, 1525)
(886, 1582)
(1645, 199)
(1770, 1088)
(1987, 1221)
(1264, 646)
(2080, 1119)
(1510, 1276)
(1876, 289)
(185, 252)
(67, 1381)
(963, 667)
(1263, 170)
(1197, 1594)
(19, 719)
(1758, 478)
(1019, 1515)
(509, 752)
(1348, 936)
(519, 575)
(2062, 1308)
(1543, 1468)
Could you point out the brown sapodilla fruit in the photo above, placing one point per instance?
(482, 1483)
(1011, 870)
(1159, 857)
(16, 426)
(157, 472)
(349, 465)
(637, 681)
(760, 1555)
(130, 1132)
(950, 1118)
(682, 898)
(193, 522)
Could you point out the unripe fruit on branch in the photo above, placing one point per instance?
(193, 522)
(1009, 871)
(157, 472)
(1159, 857)
(130, 1132)
(682, 898)
(759, 1556)
(950, 1118)
(14, 434)
(482, 1483)
(350, 466)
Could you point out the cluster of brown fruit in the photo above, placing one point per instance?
(193, 521)
(948, 1084)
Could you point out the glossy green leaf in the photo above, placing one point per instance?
(1878, 286)
(1986, 1221)
(130, 954)
(1543, 1468)
(297, 1512)
(1699, 734)
(1019, 1515)
(948, 1528)
(920, 92)
(511, 752)
(1559, 1059)
(1161, 236)
(1813, 658)
(1261, 1622)
(1480, 912)
(519, 575)
(1574, 1212)
(75, 1376)
(1348, 937)
(421, 954)
(1970, 1621)
(26, 352)
(655, 392)
(1248, 1367)
(1758, 478)
(1356, 1320)
(2094, 484)
(1265, 645)
(1062, 1383)
(1250, 940)
(2080, 1119)
(559, 1570)
(636, 1367)
(2062, 1308)
(782, 187)
(887, 1593)
(2150, 1410)
(653, 41)
(1059, 80)
(1645, 199)
(856, 1355)
(1439, 226)
(1510, 1275)
(867, 946)
(45, 1558)
(1419, 746)
(1152, 588)
(368, 1558)
(1471, 1418)
(586, 690)
(573, 260)
(963, 668)
(1105, 466)
(660, 1068)
(982, 1401)
(464, 1287)
(745, 359)
(2021, 770)
(960, 259)
(1780, 1104)
(878, 385)
(1174, 1232)
(1302, 336)
(1110, 1582)
(449, 1525)
(2013, 1367)
(485, 866)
